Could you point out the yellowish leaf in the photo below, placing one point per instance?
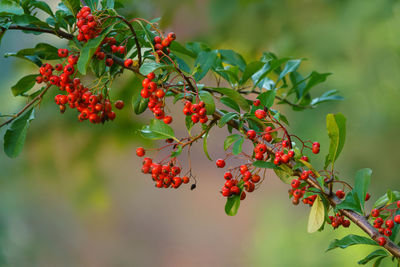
(317, 215)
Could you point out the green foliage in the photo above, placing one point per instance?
(363, 180)
(267, 98)
(373, 255)
(208, 99)
(336, 125)
(72, 5)
(232, 205)
(24, 85)
(316, 218)
(389, 197)
(89, 49)
(264, 164)
(14, 138)
(229, 140)
(234, 95)
(157, 130)
(351, 240)
(8, 7)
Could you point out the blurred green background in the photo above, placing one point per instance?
(76, 197)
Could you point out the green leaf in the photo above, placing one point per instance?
(232, 205)
(88, 50)
(205, 147)
(230, 103)
(336, 125)
(24, 20)
(107, 4)
(235, 96)
(197, 47)
(230, 140)
(330, 95)
(232, 58)
(373, 255)
(189, 123)
(284, 173)
(226, 118)
(43, 6)
(42, 50)
(93, 4)
(176, 152)
(351, 240)
(98, 67)
(208, 99)
(291, 65)
(390, 197)
(177, 47)
(204, 62)
(72, 5)
(363, 180)
(264, 164)
(317, 215)
(351, 202)
(8, 7)
(151, 66)
(34, 59)
(140, 104)
(314, 79)
(158, 130)
(237, 146)
(15, 136)
(249, 71)
(267, 98)
(24, 84)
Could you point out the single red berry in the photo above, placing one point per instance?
(228, 176)
(290, 153)
(151, 75)
(259, 156)
(261, 114)
(167, 119)
(305, 158)
(185, 179)
(251, 134)
(39, 79)
(257, 102)
(389, 224)
(367, 197)
(243, 195)
(255, 178)
(157, 40)
(171, 36)
(375, 213)
(128, 62)
(109, 62)
(195, 118)
(140, 152)
(340, 194)
(121, 49)
(119, 104)
(398, 204)
(397, 218)
(381, 241)
(315, 149)
(220, 163)
(295, 183)
(226, 192)
(346, 223)
(387, 232)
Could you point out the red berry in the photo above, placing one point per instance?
(195, 118)
(242, 195)
(151, 75)
(235, 190)
(167, 119)
(121, 49)
(171, 36)
(257, 102)
(381, 241)
(185, 179)
(315, 149)
(387, 232)
(340, 194)
(398, 204)
(367, 197)
(226, 192)
(220, 163)
(228, 175)
(119, 104)
(374, 213)
(261, 114)
(157, 40)
(295, 183)
(251, 134)
(397, 219)
(389, 224)
(109, 62)
(128, 62)
(255, 178)
(140, 152)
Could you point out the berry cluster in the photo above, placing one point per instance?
(299, 188)
(165, 175)
(338, 220)
(385, 219)
(197, 111)
(162, 45)
(156, 96)
(239, 179)
(87, 25)
(93, 107)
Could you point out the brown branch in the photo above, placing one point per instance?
(134, 35)
(58, 33)
(39, 97)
